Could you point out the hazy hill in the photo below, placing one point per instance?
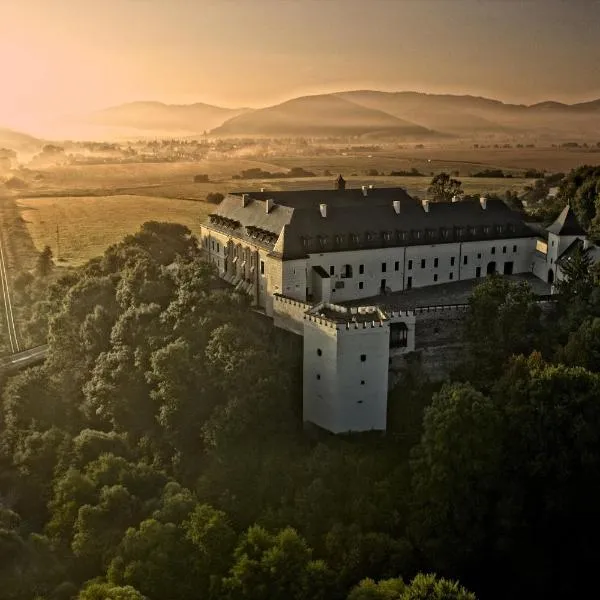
(320, 116)
(180, 119)
(21, 142)
(469, 116)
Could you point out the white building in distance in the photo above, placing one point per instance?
(306, 258)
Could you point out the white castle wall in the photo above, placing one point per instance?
(342, 392)
(402, 263)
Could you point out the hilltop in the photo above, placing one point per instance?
(156, 116)
(20, 142)
(320, 116)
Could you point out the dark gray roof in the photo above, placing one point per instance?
(354, 221)
(566, 223)
(570, 250)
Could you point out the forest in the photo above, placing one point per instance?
(159, 453)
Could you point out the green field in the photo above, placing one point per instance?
(88, 225)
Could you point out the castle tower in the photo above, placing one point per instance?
(561, 234)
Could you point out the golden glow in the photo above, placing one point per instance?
(60, 58)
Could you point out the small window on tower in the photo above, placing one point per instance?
(363, 357)
(319, 352)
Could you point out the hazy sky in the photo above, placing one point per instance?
(64, 56)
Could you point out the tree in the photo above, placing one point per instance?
(506, 484)
(44, 263)
(422, 587)
(503, 320)
(443, 188)
(214, 197)
(278, 567)
(107, 591)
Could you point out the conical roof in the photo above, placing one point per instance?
(566, 223)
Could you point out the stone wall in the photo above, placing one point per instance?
(438, 342)
(289, 314)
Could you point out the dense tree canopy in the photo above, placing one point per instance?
(158, 454)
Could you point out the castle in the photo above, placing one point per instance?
(332, 265)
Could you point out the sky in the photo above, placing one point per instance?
(66, 57)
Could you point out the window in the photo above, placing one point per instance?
(361, 285)
(514, 248)
(465, 260)
(503, 249)
(212, 244)
(362, 382)
(398, 335)
(452, 258)
(383, 267)
(478, 272)
(332, 270)
(409, 283)
(318, 376)
(479, 255)
(262, 267)
(493, 249)
(410, 265)
(363, 357)
(323, 241)
(361, 269)
(347, 271)
(397, 265)
(319, 352)
(435, 277)
(422, 263)
(218, 250)
(552, 242)
(435, 262)
(451, 276)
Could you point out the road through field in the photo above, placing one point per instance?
(8, 309)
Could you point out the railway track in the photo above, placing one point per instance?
(8, 309)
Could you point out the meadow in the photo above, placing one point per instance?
(88, 225)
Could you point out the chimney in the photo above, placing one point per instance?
(245, 200)
(262, 189)
(370, 186)
(586, 243)
(455, 198)
(364, 190)
(483, 202)
(426, 205)
(323, 209)
(397, 206)
(269, 205)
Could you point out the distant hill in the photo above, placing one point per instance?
(371, 114)
(320, 116)
(20, 142)
(466, 116)
(147, 117)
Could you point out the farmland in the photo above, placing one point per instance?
(88, 225)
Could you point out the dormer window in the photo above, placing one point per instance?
(306, 243)
(499, 229)
(369, 237)
(431, 234)
(473, 230)
(417, 235)
(338, 240)
(487, 230)
(355, 238)
(323, 241)
(387, 236)
(445, 233)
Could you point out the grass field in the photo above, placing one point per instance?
(88, 225)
